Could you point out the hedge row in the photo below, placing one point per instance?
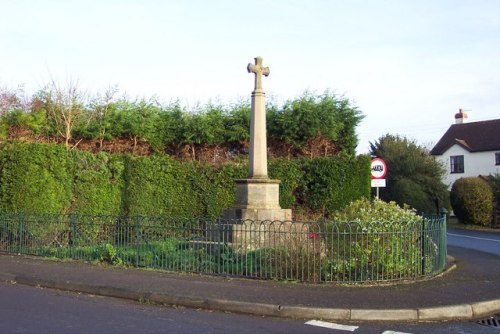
(63, 114)
(52, 179)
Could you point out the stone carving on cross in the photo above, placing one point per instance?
(259, 70)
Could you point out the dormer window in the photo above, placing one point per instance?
(457, 164)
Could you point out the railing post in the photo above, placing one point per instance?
(72, 235)
(21, 232)
(422, 241)
(444, 235)
(137, 225)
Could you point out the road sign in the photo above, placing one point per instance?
(378, 183)
(379, 168)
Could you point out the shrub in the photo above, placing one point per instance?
(366, 212)
(108, 254)
(494, 182)
(472, 200)
(407, 191)
(371, 241)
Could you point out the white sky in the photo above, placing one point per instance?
(408, 65)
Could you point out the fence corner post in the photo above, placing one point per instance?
(444, 230)
(443, 213)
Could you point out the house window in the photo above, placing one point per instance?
(497, 158)
(457, 163)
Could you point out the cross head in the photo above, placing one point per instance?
(259, 70)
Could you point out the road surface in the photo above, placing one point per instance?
(26, 309)
(488, 242)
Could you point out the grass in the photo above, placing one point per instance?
(454, 223)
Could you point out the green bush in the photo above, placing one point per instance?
(408, 191)
(494, 182)
(472, 201)
(373, 240)
(109, 254)
(365, 212)
(18, 118)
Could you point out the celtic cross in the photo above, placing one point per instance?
(259, 70)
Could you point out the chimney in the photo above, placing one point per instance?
(461, 117)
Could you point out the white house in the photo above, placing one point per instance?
(469, 149)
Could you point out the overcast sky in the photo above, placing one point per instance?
(408, 65)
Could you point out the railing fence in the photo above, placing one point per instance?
(313, 252)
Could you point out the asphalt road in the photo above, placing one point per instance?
(31, 310)
(481, 241)
(26, 309)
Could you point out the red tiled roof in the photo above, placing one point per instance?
(474, 137)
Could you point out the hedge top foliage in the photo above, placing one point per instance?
(66, 115)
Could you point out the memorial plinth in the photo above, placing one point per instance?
(257, 200)
(257, 197)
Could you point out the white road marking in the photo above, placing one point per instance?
(393, 332)
(467, 236)
(331, 325)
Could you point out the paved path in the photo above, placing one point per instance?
(469, 291)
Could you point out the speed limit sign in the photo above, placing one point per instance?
(379, 168)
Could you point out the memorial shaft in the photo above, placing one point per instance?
(257, 197)
(258, 142)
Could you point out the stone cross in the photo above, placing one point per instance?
(258, 196)
(258, 140)
(259, 71)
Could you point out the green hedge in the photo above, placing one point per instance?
(159, 185)
(98, 183)
(52, 179)
(330, 184)
(291, 175)
(35, 178)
